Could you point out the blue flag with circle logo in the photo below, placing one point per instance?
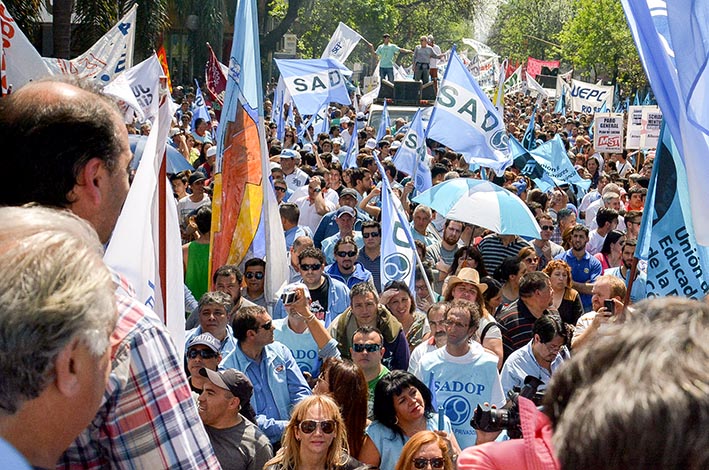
(410, 158)
(465, 119)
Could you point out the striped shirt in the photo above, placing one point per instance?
(494, 251)
(516, 323)
(147, 418)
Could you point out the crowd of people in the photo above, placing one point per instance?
(340, 371)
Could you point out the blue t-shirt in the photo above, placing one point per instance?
(586, 269)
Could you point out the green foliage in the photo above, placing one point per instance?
(597, 39)
(525, 28)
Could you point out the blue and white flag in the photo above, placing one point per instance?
(676, 265)
(398, 253)
(551, 156)
(636, 101)
(465, 120)
(352, 150)
(529, 141)
(529, 167)
(560, 107)
(384, 123)
(342, 43)
(277, 115)
(200, 107)
(312, 82)
(138, 87)
(673, 41)
(410, 158)
(647, 101)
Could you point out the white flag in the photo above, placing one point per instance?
(138, 87)
(134, 247)
(342, 43)
(533, 85)
(22, 61)
(111, 55)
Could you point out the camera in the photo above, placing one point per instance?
(507, 417)
(288, 296)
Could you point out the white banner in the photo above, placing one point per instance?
(588, 98)
(608, 132)
(138, 87)
(342, 43)
(652, 123)
(514, 83)
(634, 127)
(111, 55)
(22, 61)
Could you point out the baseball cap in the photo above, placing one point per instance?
(205, 339)
(288, 153)
(344, 210)
(231, 379)
(345, 120)
(371, 144)
(338, 140)
(348, 192)
(196, 177)
(212, 151)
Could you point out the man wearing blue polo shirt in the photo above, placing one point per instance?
(584, 267)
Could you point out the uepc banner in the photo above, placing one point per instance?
(608, 132)
(589, 98)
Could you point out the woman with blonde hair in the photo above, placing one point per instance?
(424, 449)
(315, 438)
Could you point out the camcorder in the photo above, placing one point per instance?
(507, 417)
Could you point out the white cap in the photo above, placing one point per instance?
(371, 144)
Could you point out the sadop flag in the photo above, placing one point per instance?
(244, 202)
(410, 158)
(138, 87)
(560, 107)
(342, 43)
(551, 156)
(398, 253)
(529, 167)
(465, 120)
(676, 264)
(673, 41)
(134, 247)
(529, 140)
(200, 107)
(311, 82)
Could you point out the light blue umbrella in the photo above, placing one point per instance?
(176, 162)
(481, 203)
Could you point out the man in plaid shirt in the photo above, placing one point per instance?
(68, 147)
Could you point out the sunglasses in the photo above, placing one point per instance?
(357, 347)
(280, 190)
(203, 353)
(266, 326)
(547, 227)
(310, 267)
(348, 254)
(436, 462)
(370, 234)
(309, 426)
(258, 275)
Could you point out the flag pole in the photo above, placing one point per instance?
(162, 213)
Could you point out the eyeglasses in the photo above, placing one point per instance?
(266, 326)
(547, 227)
(346, 254)
(309, 426)
(436, 462)
(280, 190)
(370, 234)
(370, 348)
(531, 260)
(310, 267)
(203, 353)
(554, 348)
(251, 275)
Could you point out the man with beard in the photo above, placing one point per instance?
(639, 290)
(584, 267)
(442, 252)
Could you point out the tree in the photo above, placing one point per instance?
(524, 28)
(597, 39)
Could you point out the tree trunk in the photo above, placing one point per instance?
(61, 27)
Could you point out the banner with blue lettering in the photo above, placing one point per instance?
(312, 82)
(588, 98)
(398, 255)
(676, 264)
(465, 120)
(410, 158)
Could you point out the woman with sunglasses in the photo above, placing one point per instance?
(402, 407)
(315, 438)
(425, 450)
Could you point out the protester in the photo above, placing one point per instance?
(398, 299)
(57, 318)
(565, 299)
(202, 352)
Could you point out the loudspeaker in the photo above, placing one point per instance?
(386, 90)
(428, 92)
(407, 92)
(547, 81)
